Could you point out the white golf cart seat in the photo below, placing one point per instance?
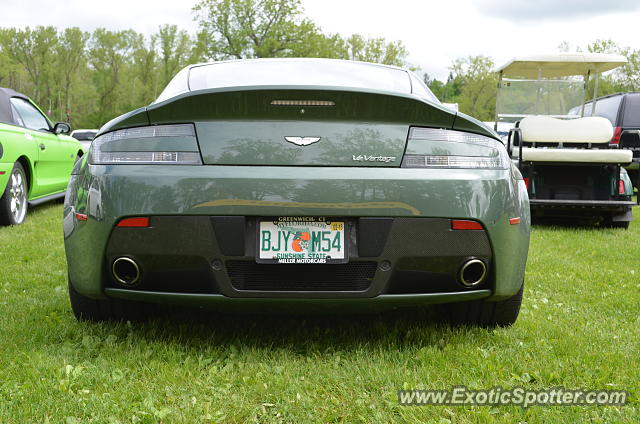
(594, 130)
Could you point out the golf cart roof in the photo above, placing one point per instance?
(555, 65)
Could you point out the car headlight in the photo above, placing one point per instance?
(440, 148)
(157, 144)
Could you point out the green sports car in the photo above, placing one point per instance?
(36, 157)
(308, 184)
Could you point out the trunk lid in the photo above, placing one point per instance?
(300, 127)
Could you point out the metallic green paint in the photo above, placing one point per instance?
(490, 196)
(250, 170)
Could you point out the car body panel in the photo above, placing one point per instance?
(251, 172)
(48, 158)
(295, 191)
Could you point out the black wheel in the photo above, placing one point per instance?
(609, 223)
(483, 313)
(87, 309)
(14, 201)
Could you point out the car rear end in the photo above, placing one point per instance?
(325, 196)
(627, 132)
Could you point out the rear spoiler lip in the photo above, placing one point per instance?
(141, 117)
(342, 89)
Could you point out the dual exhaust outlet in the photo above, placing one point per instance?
(126, 271)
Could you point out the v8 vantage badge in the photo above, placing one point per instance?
(301, 240)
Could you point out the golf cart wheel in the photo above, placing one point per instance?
(14, 200)
(610, 223)
(482, 313)
(87, 309)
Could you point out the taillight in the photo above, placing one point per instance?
(617, 132)
(526, 182)
(441, 148)
(151, 145)
(465, 224)
(139, 221)
(621, 187)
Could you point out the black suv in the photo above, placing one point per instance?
(623, 110)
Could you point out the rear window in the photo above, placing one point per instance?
(607, 108)
(294, 72)
(299, 72)
(84, 135)
(631, 117)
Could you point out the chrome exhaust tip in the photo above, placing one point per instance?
(126, 271)
(472, 273)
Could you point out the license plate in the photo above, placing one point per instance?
(301, 240)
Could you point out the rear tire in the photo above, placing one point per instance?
(482, 313)
(14, 201)
(609, 223)
(87, 309)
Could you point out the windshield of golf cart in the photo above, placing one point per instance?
(551, 85)
(518, 98)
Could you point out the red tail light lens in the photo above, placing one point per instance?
(526, 182)
(81, 216)
(464, 224)
(620, 187)
(617, 132)
(134, 222)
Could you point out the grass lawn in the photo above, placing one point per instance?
(579, 328)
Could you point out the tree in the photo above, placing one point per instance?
(243, 29)
(70, 55)
(175, 48)
(252, 28)
(376, 50)
(477, 86)
(109, 53)
(624, 78)
(33, 50)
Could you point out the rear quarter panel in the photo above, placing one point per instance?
(108, 193)
(15, 146)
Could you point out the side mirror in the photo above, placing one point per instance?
(61, 128)
(630, 138)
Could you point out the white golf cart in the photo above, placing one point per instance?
(571, 166)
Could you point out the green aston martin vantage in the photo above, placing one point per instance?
(297, 184)
(36, 157)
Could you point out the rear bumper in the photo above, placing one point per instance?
(582, 204)
(216, 255)
(224, 303)
(419, 202)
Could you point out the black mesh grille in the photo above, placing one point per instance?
(249, 275)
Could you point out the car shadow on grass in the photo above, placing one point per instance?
(302, 332)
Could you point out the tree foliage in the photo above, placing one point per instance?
(242, 29)
(89, 78)
(471, 84)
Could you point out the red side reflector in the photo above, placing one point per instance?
(81, 216)
(514, 221)
(617, 132)
(620, 187)
(2, 172)
(526, 182)
(139, 221)
(463, 224)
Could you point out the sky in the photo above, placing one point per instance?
(434, 32)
